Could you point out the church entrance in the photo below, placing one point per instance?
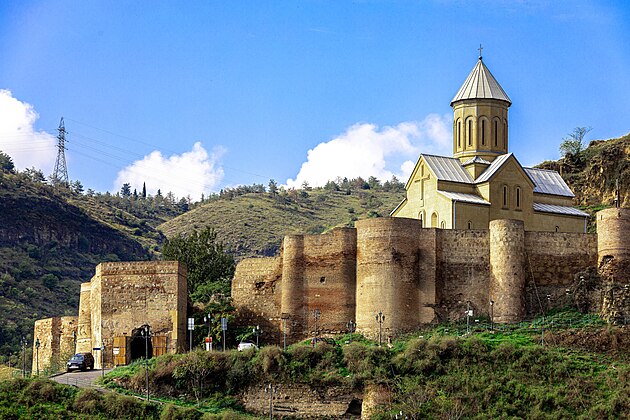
(140, 345)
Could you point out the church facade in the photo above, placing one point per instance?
(482, 181)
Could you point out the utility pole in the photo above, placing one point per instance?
(60, 173)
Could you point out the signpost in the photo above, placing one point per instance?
(224, 329)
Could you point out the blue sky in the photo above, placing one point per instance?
(196, 96)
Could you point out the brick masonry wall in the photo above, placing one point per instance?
(56, 343)
(463, 272)
(256, 295)
(613, 239)
(330, 280)
(301, 401)
(126, 296)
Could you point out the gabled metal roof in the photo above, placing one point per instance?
(467, 198)
(447, 169)
(551, 208)
(476, 159)
(549, 182)
(481, 84)
(494, 166)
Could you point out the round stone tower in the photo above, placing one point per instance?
(292, 303)
(387, 275)
(507, 264)
(613, 244)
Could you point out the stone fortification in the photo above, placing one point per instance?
(56, 343)
(114, 306)
(417, 275)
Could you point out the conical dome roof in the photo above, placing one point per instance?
(481, 84)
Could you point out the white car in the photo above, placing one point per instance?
(244, 345)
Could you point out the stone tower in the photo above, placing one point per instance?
(480, 120)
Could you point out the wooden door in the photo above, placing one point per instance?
(119, 349)
(159, 345)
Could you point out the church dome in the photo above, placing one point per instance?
(481, 84)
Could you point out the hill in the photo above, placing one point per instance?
(253, 224)
(51, 238)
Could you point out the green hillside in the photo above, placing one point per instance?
(254, 224)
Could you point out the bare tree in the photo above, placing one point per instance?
(573, 144)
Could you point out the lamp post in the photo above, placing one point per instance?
(468, 315)
(380, 318)
(270, 389)
(284, 317)
(257, 331)
(37, 354)
(492, 315)
(23, 343)
(146, 332)
(351, 327)
(316, 314)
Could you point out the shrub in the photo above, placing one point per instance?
(88, 401)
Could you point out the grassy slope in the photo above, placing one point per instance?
(254, 224)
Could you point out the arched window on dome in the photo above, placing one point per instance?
(459, 134)
(469, 131)
(505, 133)
(496, 133)
(482, 127)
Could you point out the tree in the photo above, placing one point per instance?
(210, 268)
(144, 190)
(125, 190)
(6, 163)
(76, 187)
(573, 144)
(273, 187)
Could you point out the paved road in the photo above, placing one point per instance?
(80, 379)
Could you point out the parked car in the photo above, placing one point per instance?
(244, 345)
(81, 361)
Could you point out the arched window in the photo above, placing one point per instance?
(459, 134)
(496, 133)
(443, 225)
(505, 196)
(469, 224)
(557, 228)
(470, 132)
(505, 131)
(421, 218)
(434, 220)
(517, 193)
(483, 132)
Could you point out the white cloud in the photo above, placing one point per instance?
(365, 150)
(191, 173)
(26, 146)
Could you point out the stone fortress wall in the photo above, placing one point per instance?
(121, 298)
(417, 275)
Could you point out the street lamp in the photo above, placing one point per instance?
(37, 354)
(492, 315)
(257, 331)
(146, 332)
(316, 314)
(23, 343)
(380, 318)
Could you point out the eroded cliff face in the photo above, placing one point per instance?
(44, 220)
(595, 173)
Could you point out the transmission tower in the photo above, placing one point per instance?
(60, 174)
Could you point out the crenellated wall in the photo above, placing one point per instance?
(414, 275)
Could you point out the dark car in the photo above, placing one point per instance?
(81, 361)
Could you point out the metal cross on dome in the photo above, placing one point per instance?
(480, 48)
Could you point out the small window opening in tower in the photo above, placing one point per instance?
(322, 279)
(483, 132)
(470, 132)
(505, 131)
(557, 228)
(469, 224)
(459, 134)
(496, 133)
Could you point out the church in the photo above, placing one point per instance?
(482, 182)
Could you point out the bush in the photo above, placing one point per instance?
(88, 401)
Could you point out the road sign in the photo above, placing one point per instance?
(191, 324)
(224, 324)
